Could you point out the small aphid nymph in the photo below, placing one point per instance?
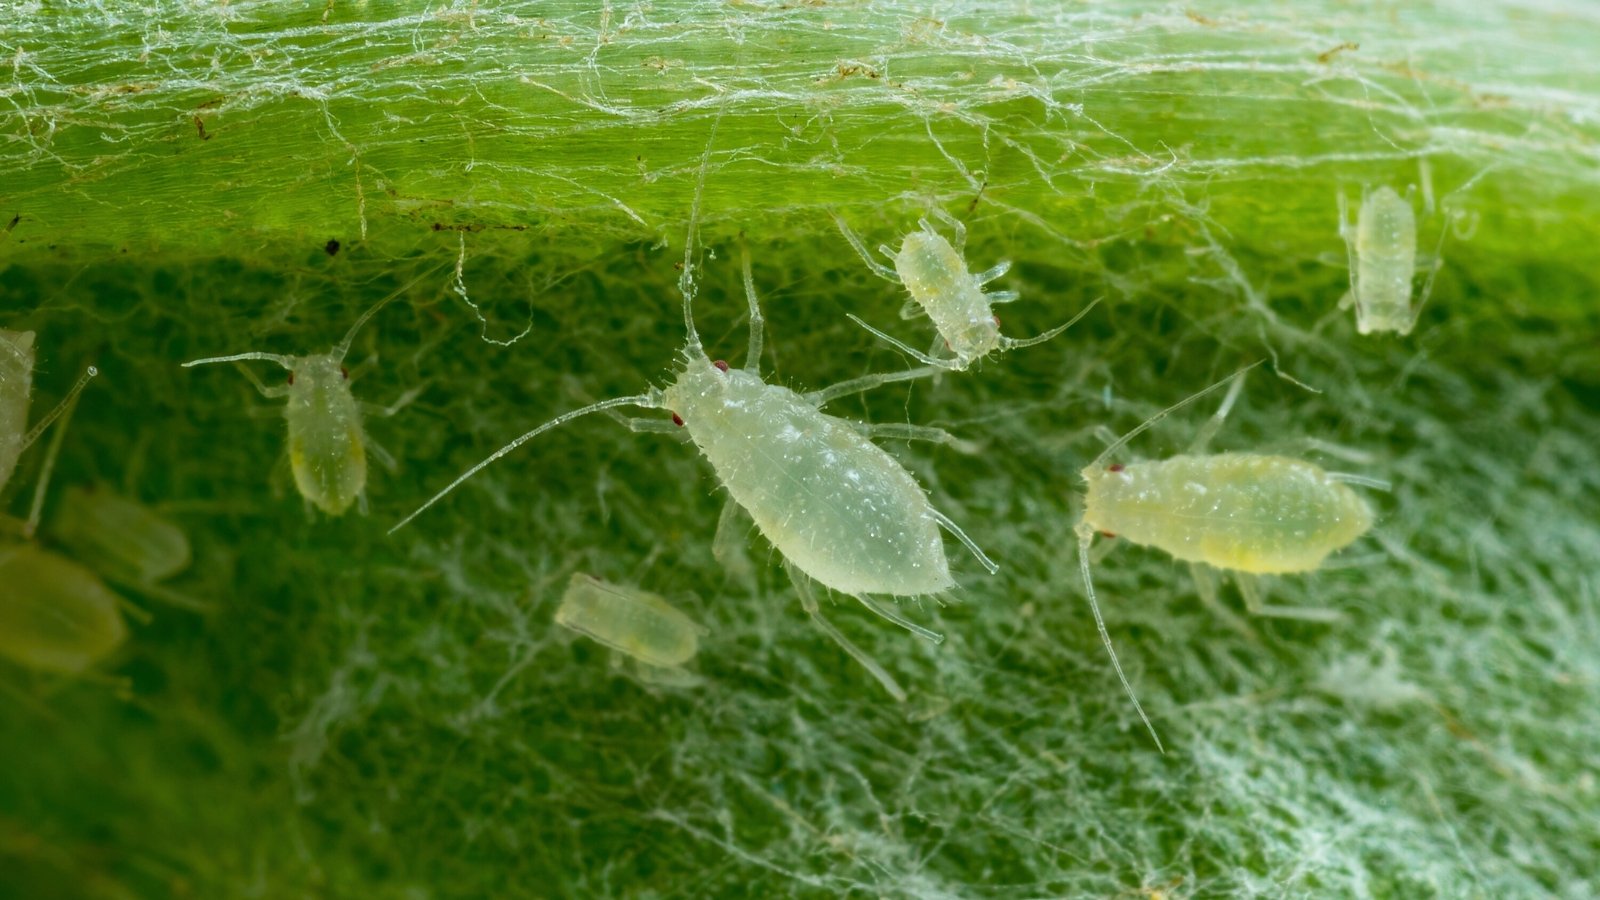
(934, 273)
(638, 623)
(122, 539)
(1382, 249)
(839, 508)
(327, 445)
(55, 615)
(1245, 512)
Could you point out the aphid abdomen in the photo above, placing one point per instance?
(16, 380)
(55, 615)
(327, 450)
(1242, 511)
(635, 622)
(937, 278)
(121, 538)
(833, 503)
(1386, 260)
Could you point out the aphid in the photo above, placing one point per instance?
(941, 288)
(1382, 248)
(1247, 512)
(840, 509)
(327, 445)
(122, 539)
(55, 615)
(638, 623)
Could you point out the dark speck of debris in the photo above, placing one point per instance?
(331, 247)
(200, 126)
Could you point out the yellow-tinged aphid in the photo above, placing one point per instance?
(55, 615)
(935, 274)
(839, 508)
(1246, 512)
(327, 445)
(629, 620)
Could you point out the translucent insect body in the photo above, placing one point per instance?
(934, 273)
(638, 623)
(55, 615)
(1382, 249)
(840, 509)
(1246, 512)
(327, 445)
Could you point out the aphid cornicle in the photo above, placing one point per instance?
(840, 509)
(55, 615)
(327, 445)
(934, 273)
(635, 622)
(1382, 250)
(1245, 512)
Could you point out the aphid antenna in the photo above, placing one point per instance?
(1085, 538)
(340, 349)
(61, 408)
(1144, 426)
(285, 361)
(64, 411)
(692, 343)
(649, 400)
(1018, 343)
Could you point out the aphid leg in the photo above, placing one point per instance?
(891, 612)
(969, 543)
(808, 601)
(901, 431)
(1377, 484)
(918, 355)
(64, 411)
(729, 544)
(1427, 286)
(956, 225)
(878, 268)
(758, 322)
(1255, 601)
(995, 271)
(401, 402)
(1347, 231)
(833, 392)
(1205, 584)
(1214, 424)
(998, 297)
(1018, 343)
(650, 400)
(1085, 538)
(911, 309)
(383, 456)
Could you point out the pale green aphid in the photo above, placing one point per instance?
(653, 632)
(1382, 248)
(1246, 512)
(840, 509)
(934, 273)
(121, 538)
(327, 445)
(55, 615)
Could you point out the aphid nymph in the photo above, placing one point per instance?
(1246, 512)
(55, 615)
(840, 509)
(121, 538)
(935, 274)
(640, 624)
(327, 445)
(1382, 249)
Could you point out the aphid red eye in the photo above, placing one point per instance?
(345, 372)
(677, 420)
(996, 321)
(291, 377)
(1107, 534)
(721, 364)
(1114, 467)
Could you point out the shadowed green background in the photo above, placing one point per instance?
(363, 715)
